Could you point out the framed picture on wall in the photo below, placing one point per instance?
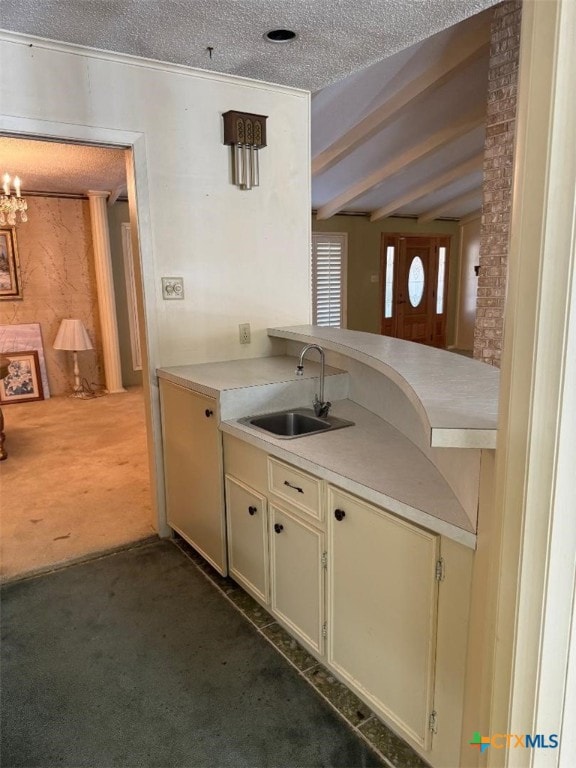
(10, 284)
(23, 382)
(24, 337)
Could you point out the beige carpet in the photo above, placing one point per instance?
(75, 482)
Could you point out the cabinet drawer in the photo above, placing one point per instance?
(302, 490)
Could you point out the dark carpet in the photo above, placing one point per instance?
(135, 659)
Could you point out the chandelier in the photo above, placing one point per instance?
(12, 203)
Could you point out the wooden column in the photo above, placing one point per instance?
(105, 285)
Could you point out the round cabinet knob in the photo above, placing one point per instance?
(339, 514)
(278, 527)
(208, 413)
(252, 510)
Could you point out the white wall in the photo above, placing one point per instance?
(244, 256)
(468, 286)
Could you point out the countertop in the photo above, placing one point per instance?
(374, 461)
(458, 396)
(371, 459)
(257, 385)
(214, 378)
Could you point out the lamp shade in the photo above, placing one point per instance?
(72, 336)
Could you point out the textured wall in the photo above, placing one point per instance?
(498, 172)
(58, 281)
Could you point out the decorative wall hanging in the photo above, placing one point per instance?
(10, 285)
(24, 337)
(245, 133)
(23, 382)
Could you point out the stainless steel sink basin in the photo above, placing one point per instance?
(290, 424)
(297, 422)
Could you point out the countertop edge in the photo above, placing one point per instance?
(441, 434)
(167, 375)
(399, 508)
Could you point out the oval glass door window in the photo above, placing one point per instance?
(416, 281)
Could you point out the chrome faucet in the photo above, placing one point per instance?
(321, 407)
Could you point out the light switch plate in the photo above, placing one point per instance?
(172, 287)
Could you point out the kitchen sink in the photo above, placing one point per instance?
(294, 423)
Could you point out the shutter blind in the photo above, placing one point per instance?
(328, 260)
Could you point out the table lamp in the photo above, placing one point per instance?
(73, 337)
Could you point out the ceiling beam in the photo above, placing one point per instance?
(461, 53)
(470, 166)
(440, 210)
(418, 152)
(471, 216)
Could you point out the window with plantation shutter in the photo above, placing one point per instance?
(329, 255)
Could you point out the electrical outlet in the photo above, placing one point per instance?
(172, 287)
(244, 333)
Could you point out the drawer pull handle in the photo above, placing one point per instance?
(208, 413)
(252, 510)
(278, 527)
(295, 487)
(339, 514)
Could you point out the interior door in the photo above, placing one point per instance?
(413, 288)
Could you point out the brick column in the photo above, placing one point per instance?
(497, 187)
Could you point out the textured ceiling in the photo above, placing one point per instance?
(46, 166)
(369, 51)
(335, 37)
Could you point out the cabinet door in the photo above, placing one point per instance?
(382, 603)
(193, 471)
(296, 550)
(247, 538)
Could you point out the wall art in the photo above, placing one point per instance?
(24, 337)
(10, 283)
(23, 382)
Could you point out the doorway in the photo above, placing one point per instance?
(79, 467)
(413, 287)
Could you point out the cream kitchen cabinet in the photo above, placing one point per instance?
(193, 471)
(282, 563)
(395, 578)
(383, 594)
(392, 597)
(247, 526)
(297, 575)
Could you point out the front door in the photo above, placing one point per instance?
(413, 288)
